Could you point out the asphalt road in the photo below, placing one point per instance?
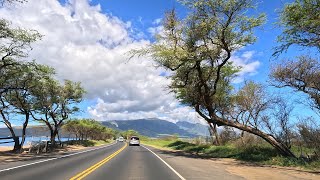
(113, 162)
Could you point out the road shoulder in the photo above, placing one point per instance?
(193, 167)
(8, 160)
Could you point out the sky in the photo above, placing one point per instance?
(88, 41)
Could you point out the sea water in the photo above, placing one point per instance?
(31, 139)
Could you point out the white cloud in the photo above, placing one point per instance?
(247, 55)
(172, 112)
(157, 21)
(84, 44)
(249, 67)
(155, 30)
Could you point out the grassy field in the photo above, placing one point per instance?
(262, 154)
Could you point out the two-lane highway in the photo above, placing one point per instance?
(135, 162)
(117, 161)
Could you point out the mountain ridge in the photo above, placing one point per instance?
(154, 127)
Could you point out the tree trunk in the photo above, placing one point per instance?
(17, 146)
(213, 133)
(52, 139)
(285, 151)
(54, 134)
(24, 127)
(58, 137)
(216, 134)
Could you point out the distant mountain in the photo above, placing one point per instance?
(155, 127)
(197, 129)
(147, 127)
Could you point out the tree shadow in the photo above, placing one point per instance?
(9, 156)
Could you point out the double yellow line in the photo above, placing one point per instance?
(96, 166)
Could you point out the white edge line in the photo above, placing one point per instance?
(37, 162)
(165, 163)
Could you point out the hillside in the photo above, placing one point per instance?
(197, 129)
(147, 127)
(155, 127)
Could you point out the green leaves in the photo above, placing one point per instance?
(197, 49)
(88, 128)
(302, 75)
(16, 42)
(301, 25)
(29, 88)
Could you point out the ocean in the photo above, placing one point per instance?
(30, 139)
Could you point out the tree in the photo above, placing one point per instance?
(198, 50)
(301, 25)
(54, 103)
(127, 134)
(309, 132)
(302, 75)
(18, 101)
(2, 2)
(14, 74)
(88, 128)
(278, 122)
(253, 107)
(15, 44)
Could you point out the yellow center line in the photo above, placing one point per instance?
(96, 166)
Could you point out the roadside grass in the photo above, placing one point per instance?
(89, 143)
(263, 154)
(158, 143)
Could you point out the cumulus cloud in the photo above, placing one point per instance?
(157, 21)
(155, 30)
(249, 66)
(84, 44)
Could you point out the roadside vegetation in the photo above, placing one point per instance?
(254, 151)
(88, 132)
(29, 90)
(197, 51)
(89, 143)
(88, 129)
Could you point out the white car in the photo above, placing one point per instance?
(134, 141)
(120, 139)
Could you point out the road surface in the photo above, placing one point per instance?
(117, 161)
(121, 162)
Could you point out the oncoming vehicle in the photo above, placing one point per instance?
(120, 139)
(134, 141)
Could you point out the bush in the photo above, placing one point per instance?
(227, 135)
(247, 141)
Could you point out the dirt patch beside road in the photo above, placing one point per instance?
(6, 156)
(253, 171)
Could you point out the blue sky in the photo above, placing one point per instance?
(117, 89)
(143, 13)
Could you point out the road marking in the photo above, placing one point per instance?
(97, 165)
(37, 162)
(182, 178)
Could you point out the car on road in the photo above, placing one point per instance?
(134, 141)
(120, 139)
